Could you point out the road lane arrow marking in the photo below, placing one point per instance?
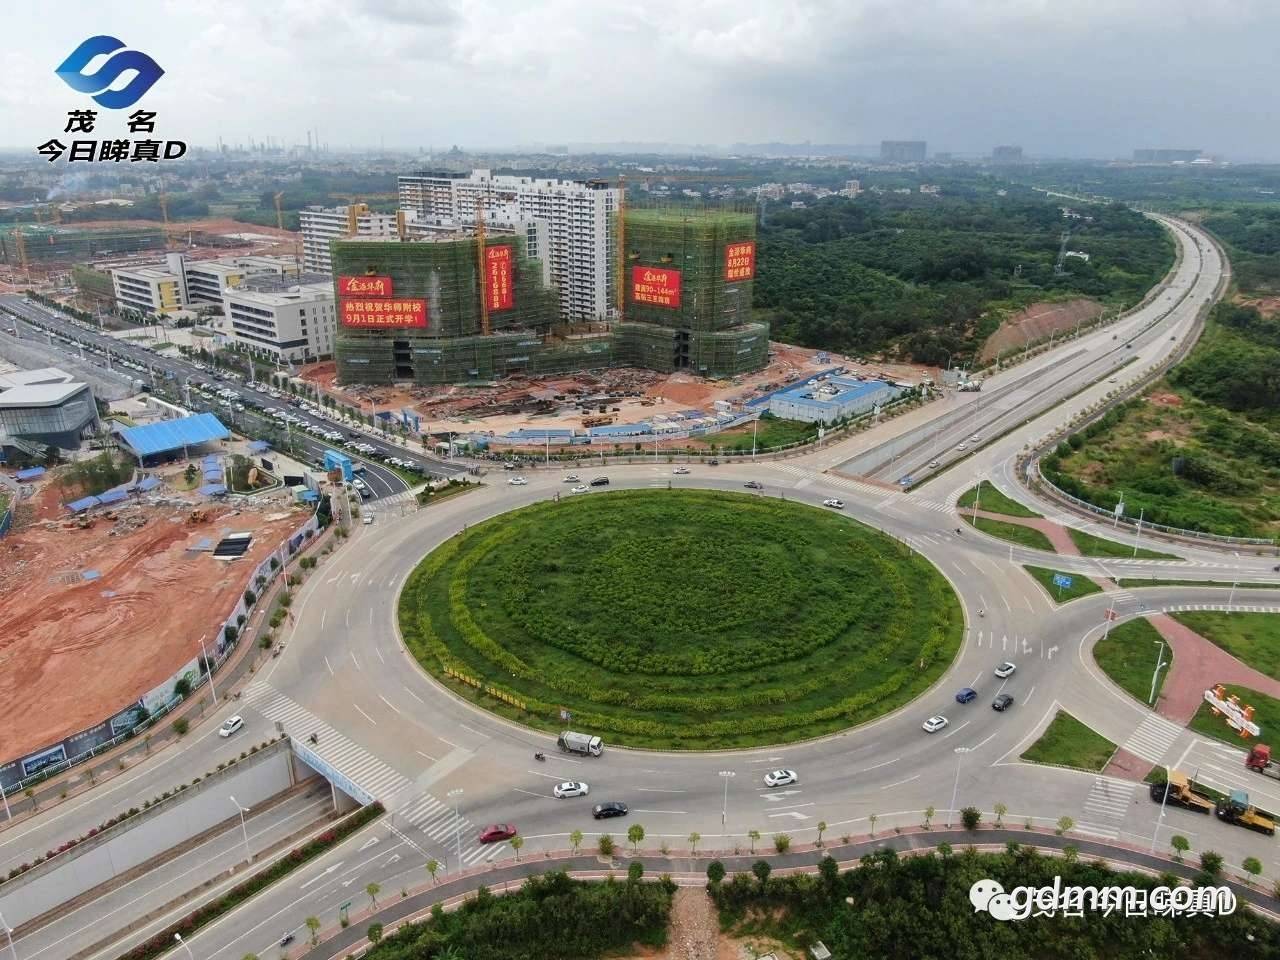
(368, 843)
(322, 874)
(792, 814)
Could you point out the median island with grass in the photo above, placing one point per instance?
(1067, 742)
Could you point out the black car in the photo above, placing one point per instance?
(1002, 702)
(713, 463)
(600, 482)
(610, 808)
(754, 485)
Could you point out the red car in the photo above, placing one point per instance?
(497, 832)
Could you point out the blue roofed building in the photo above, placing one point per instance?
(182, 436)
(832, 399)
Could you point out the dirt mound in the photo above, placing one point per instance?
(1037, 321)
(1165, 399)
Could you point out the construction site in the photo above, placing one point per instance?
(89, 623)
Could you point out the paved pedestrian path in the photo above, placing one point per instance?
(1198, 664)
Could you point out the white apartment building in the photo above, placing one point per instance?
(154, 291)
(285, 321)
(580, 247)
(319, 225)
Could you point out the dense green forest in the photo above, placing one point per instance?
(1165, 186)
(927, 276)
(550, 918)
(1252, 236)
(919, 907)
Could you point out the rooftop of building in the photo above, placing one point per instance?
(832, 391)
(150, 272)
(278, 292)
(39, 395)
(27, 378)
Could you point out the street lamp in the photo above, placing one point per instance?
(8, 932)
(183, 944)
(1235, 578)
(455, 793)
(955, 790)
(244, 829)
(726, 776)
(1156, 673)
(1160, 817)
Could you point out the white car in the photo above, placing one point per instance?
(962, 446)
(934, 724)
(1005, 670)
(517, 481)
(367, 519)
(680, 471)
(580, 488)
(974, 438)
(933, 464)
(780, 778)
(572, 478)
(231, 726)
(833, 503)
(570, 788)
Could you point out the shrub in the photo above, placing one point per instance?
(715, 872)
(971, 817)
(606, 845)
(180, 726)
(781, 842)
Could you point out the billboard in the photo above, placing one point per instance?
(497, 281)
(658, 286)
(740, 261)
(364, 286)
(383, 312)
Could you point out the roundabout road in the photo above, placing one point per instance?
(389, 727)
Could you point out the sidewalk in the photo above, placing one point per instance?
(1198, 664)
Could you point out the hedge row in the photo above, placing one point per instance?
(202, 916)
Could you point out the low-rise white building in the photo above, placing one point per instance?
(160, 289)
(285, 321)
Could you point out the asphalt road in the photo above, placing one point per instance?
(345, 677)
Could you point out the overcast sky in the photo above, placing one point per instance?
(1091, 78)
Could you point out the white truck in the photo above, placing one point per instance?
(584, 743)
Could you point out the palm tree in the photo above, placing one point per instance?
(433, 865)
(873, 818)
(373, 890)
(928, 816)
(313, 925)
(516, 843)
(1000, 810)
(575, 841)
(822, 828)
(753, 835)
(693, 842)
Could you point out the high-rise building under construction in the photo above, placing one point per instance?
(452, 310)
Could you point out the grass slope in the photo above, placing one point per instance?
(1067, 742)
(681, 619)
(1128, 657)
(1253, 638)
(1081, 586)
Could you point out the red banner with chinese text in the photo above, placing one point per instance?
(383, 312)
(364, 287)
(740, 261)
(498, 289)
(658, 286)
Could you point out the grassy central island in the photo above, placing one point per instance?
(681, 619)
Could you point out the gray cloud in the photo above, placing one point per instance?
(1086, 78)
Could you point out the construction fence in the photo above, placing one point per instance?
(19, 774)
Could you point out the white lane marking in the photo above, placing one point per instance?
(388, 703)
(473, 730)
(323, 614)
(427, 755)
(679, 813)
(330, 666)
(530, 793)
(355, 661)
(956, 730)
(890, 786)
(795, 806)
(379, 653)
(878, 765)
(365, 715)
(658, 790)
(449, 742)
(414, 695)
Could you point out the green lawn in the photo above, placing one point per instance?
(1092, 546)
(1128, 657)
(772, 432)
(688, 619)
(1081, 586)
(1157, 582)
(1067, 742)
(1023, 536)
(1253, 638)
(993, 501)
(1266, 714)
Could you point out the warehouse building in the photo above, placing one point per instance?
(832, 399)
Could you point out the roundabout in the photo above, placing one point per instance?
(681, 619)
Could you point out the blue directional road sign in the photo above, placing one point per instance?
(1062, 580)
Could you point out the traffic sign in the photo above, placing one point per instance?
(1062, 580)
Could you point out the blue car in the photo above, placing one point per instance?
(966, 695)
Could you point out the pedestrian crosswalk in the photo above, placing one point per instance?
(362, 768)
(1152, 739)
(1106, 806)
(453, 832)
(830, 479)
(1221, 607)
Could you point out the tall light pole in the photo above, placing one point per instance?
(977, 495)
(182, 943)
(4, 796)
(726, 776)
(1160, 819)
(955, 790)
(1156, 673)
(208, 666)
(8, 932)
(455, 793)
(1235, 577)
(1141, 513)
(248, 857)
